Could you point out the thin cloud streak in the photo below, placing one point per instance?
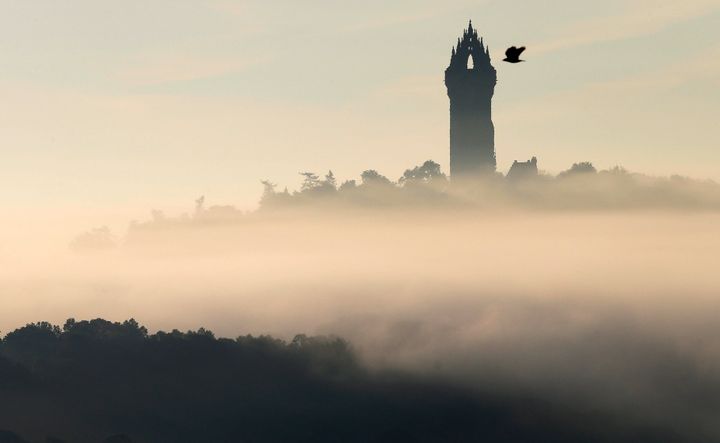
(156, 70)
(642, 18)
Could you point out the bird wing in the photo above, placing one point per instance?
(510, 52)
(520, 50)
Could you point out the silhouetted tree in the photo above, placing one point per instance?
(330, 181)
(579, 168)
(268, 195)
(32, 343)
(428, 172)
(268, 188)
(311, 181)
(199, 205)
(372, 178)
(348, 185)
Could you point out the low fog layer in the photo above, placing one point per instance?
(616, 310)
(591, 291)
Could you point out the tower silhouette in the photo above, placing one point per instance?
(470, 81)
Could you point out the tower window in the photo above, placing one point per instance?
(470, 62)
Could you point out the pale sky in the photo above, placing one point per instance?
(131, 105)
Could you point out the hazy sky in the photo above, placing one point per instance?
(127, 105)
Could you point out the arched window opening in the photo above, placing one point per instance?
(470, 62)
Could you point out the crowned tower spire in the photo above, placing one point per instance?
(470, 89)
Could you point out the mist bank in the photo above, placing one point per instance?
(426, 187)
(611, 312)
(425, 191)
(605, 309)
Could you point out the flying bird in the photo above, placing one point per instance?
(512, 55)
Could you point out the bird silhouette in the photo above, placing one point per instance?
(512, 55)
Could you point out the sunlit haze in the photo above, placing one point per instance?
(240, 221)
(119, 106)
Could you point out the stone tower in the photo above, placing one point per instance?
(470, 81)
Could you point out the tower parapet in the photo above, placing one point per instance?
(470, 79)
